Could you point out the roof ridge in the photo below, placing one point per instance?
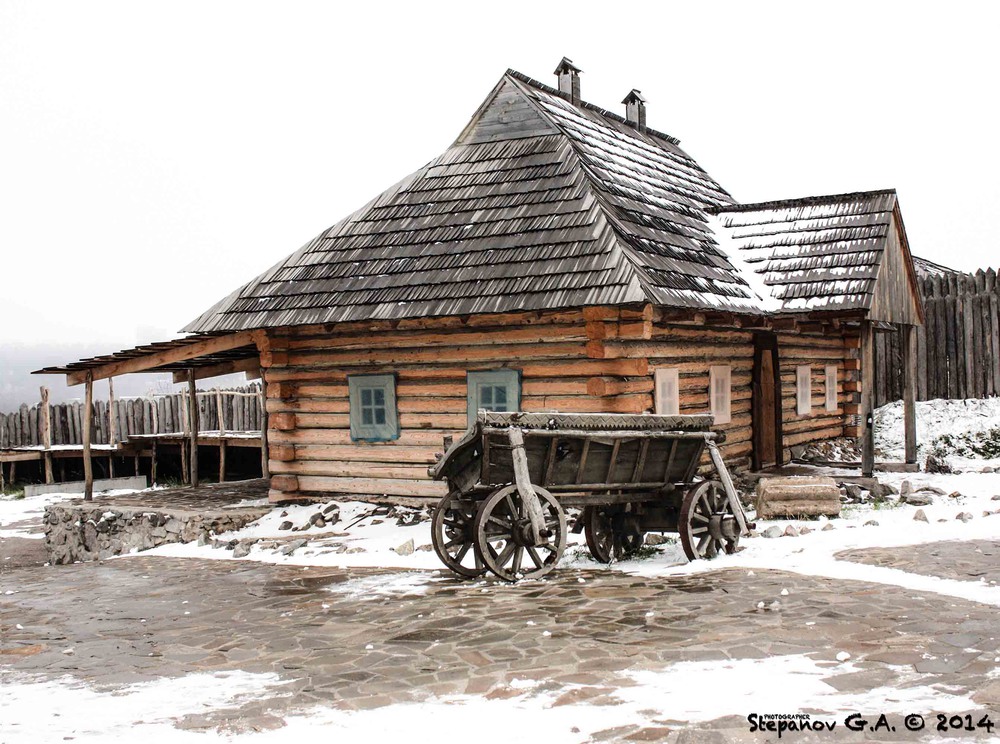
(801, 201)
(591, 106)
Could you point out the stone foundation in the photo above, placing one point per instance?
(78, 531)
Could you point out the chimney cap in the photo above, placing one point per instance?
(566, 65)
(634, 96)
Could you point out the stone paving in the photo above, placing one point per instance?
(140, 618)
(966, 560)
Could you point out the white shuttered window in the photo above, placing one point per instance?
(803, 390)
(831, 387)
(720, 390)
(668, 395)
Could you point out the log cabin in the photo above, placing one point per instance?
(557, 257)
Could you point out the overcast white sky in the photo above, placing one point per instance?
(154, 156)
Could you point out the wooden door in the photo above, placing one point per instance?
(766, 401)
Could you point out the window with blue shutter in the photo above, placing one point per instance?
(494, 390)
(373, 408)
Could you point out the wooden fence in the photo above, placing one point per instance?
(958, 348)
(239, 408)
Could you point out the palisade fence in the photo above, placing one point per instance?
(958, 348)
(239, 408)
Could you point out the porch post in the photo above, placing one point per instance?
(867, 399)
(193, 419)
(88, 424)
(910, 391)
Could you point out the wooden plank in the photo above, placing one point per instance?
(175, 355)
(47, 433)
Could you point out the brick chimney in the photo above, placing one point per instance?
(569, 80)
(635, 109)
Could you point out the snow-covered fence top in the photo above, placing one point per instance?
(239, 408)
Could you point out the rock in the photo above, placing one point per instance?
(871, 523)
(805, 530)
(653, 538)
(791, 531)
(425, 548)
(955, 495)
(853, 491)
(919, 516)
(931, 489)
(203, 539)
(772, 531)
(935, 464)
(292, 546)
(996, 498)
(905, 487)
(331, 514)
(243, 549)
(918, 499)
(827, 527)
(883, 490)
(317, 520)
(286, 525)
(964, 516)
(406, 548)
(988, 469)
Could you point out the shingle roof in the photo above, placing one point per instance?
(816, 253)
(540, 204)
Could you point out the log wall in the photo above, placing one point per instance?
(591, 360)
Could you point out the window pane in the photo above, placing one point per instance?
(379, 395)
(366, 396)
(366, 416)
(500, 398)
(486, 397)
(380, 416)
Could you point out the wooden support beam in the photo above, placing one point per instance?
(222, 461)
(910, 391)
(176, 355)
(867, 400)
(152, 465)
(193, 419)
(264, 446)
(251, 365)
(88, 465)
(112, 414)
(46, 419)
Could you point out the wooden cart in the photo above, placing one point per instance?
(511, 474)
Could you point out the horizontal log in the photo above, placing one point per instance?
(456, 337)
(358, 452)
(367, 470)
(407, 437)
(374, 486)
(500, 353)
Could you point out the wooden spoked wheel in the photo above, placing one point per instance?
(612, 532)
(504, 540)
(707, 524)
(453, 536)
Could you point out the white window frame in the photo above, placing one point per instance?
(506, 377)
(831, 388)
(667, 392)
(803, 390)
(720, 392)
(361, 432)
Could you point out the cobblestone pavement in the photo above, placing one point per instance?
(341, 643)
(972, 560)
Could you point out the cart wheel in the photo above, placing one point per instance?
(453, 536)
(707, 523)
(612, 533)
(503, 535)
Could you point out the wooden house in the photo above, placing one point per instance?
(557, 257)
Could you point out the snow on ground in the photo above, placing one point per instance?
(966, 432)
(686, 691)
